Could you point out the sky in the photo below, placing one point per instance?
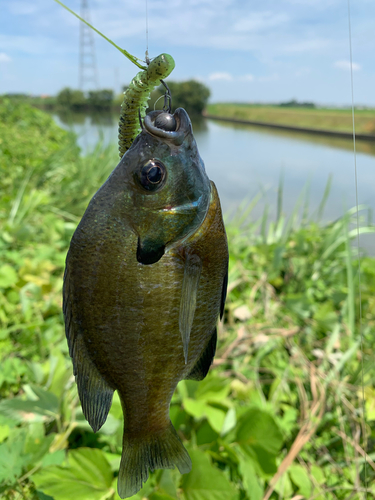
(244, 51)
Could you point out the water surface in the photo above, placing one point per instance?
(244, 161)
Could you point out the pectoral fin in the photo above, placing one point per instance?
(149, 251)
(190, 284)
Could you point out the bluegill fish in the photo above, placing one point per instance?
(145, 282)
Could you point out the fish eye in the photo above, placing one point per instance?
(153, 174)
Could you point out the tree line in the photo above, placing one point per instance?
(77, 100)
(190, 95)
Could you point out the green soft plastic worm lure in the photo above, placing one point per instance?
(136, 97)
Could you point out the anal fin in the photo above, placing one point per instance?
(190, 284)
(94, 392)
(201, 367)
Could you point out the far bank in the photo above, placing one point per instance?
(322, 121)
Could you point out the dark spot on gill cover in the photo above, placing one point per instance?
(149, 253)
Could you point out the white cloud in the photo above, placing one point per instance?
(269, 78)
(346, 65)
(247, 78)
(258, 21)
(221, 76)
(4, 58)
(25, 8)
(303, 72)
(311, 45)
(31, 45)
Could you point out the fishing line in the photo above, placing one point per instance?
(359, 255)
(147, 57)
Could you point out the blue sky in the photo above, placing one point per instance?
(263, 51)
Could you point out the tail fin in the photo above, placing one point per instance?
(163, 450)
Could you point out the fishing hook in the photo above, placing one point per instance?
(140, 118)
(167, 98)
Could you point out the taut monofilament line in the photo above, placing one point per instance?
(358, 248)
(147, 57)
(131, 58)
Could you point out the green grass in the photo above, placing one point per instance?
(317, 118)
(280, 414)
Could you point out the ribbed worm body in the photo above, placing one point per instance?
(136, 97)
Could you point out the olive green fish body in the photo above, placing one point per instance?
(133, 258)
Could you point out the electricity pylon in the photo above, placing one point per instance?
(87, 61)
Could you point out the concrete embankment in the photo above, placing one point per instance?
(329, 133)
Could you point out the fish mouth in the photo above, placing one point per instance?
(183, 126)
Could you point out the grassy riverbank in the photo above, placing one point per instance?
(278, 417)
(339, 120)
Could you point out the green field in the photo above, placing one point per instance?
(317, 118)
(280, 414)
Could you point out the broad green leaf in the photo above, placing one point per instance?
(88, 476)
(258, 433)
(113, 460)
(110, 426)
(258, 428)
(10, 461)
(60, 372)
(228, 451)
(178, 416)
(301, 479)
(24, 448)
(158, 495)
(318, 474)
(43, 406)
(56, 458)
(289, 419)
(12, 370)
(299, 304)
(36, 443)
(182, 388)
(370, 402)
(90, 464)
(205, 434)
(206, 482)
(4, 432)
(266, 460)
(199, 409)
(325, 316)
(229, 421)
(168, 481)
(116, 409)
(250, 481)
(8, 276)
(213, 388)
(284, 487)
(43, 496)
